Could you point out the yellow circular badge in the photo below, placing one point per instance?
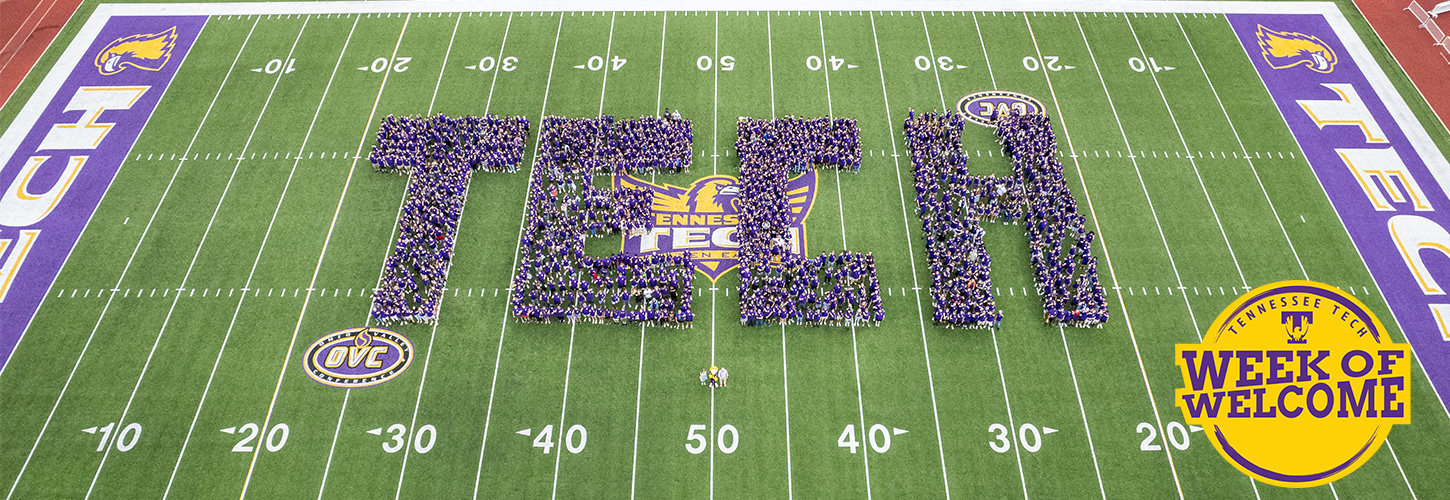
(1296, 383)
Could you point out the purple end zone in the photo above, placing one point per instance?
(1373, 174)
(53, 185)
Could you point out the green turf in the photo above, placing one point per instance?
(263, 223)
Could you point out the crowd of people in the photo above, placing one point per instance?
(556, 280)
(778, 286)
(439, 155)
(489, 143)
(1050, 212)
(953, 204)
(806, 143)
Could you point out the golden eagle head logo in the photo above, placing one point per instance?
(1284, 50)
(715, 196)
(149, 52)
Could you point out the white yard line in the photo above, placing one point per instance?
(316, 270)
(194, 256)
(911, 253)
(940, 94)
(855, 357)
(563, 411)
(129, 261)
(660, 91)
(438, 314)
(1158, 419)
(1191, 161)
(265, 237)
(1070, 369)
(784, 364)
(638, 391)
(608, 51)
(508, 296)
(489, 104)
(715, 118)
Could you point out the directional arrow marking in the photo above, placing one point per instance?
(961, 66)
(91, 430)
(472, 67)
(1195, 428)
(1169, 68)
(230, 430)
(364, 68)
(257, 70)
(524, 432)
(851, 66)
(897, 432)
(1048, 430)
(581, 66)
(376, 432)
(1069, 67)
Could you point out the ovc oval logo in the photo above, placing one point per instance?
(358, 357)
(983, 107)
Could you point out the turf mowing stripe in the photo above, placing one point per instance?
(911, 254)
(192, 265)
(1191, 161)
(367, 127)
(127, 268)
(1081, 408)
(247, 286)
(508, 297)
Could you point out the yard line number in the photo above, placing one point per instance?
(574, 439)
(488, 63)
(1028, 435)
(879, 437)
(423, 440)
(124, 441)
(813, 63)
(1177, 436)
(596, 63)
(276, 438)
(945, 63)
(700, 441)
(727, 63)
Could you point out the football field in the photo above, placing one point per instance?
(246, 222)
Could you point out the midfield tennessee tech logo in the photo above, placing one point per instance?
(703, 219)
(1286, 50)
(1296, 384)
(358, 357)
(148, 51)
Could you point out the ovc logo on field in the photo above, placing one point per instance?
(704, 217)
(148, 51)
(1286, 50)
(358, 357)
(983, 107)
(1296, 384)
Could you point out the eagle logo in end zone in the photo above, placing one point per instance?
(358, 357)
(148, 52)
(1286, 50)
(983, 107)
(704, 217)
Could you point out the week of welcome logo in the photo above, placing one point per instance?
(1296, 383)
(703, 218)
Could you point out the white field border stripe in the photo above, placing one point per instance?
(292, 344)
(911, 253)
(1060, 330)
(134, 250)
(1409, 125)
(9, 152)
(265, 237)
(438, 6)
(518, 244)
(195, 256)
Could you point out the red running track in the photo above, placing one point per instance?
(26, 28)
(1427, 64)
